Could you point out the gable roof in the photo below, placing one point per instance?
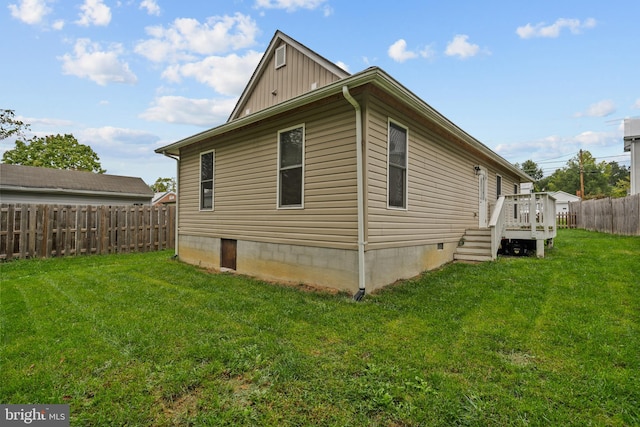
(29, 178)
(371, 76)
(279, 38)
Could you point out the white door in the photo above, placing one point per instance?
(482, 199)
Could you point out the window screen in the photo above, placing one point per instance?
(291, 158)
(397, 167)
(206, 180)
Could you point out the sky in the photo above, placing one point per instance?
(532, 80)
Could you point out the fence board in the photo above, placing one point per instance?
(62, 230)
(615, 216)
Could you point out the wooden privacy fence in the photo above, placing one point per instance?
(43, 231)
(615, 216)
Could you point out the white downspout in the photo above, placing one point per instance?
(177, 159)
(360, 190)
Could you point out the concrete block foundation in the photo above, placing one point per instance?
(326, 267)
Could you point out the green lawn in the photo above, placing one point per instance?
(142, 339)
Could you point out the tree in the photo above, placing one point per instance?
(163, 185)
(600, 179)
(10, 126)
(622, 187)
(56, 152)
(616, 173)
(532, 169)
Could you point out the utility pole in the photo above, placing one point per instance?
(581, 177)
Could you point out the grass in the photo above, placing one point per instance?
(141, 339)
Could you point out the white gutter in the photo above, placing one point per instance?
(360, 190)
(177, 159)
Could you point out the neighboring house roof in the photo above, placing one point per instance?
(164, 197)
(562, 196)
(374, 76)
(36, 179)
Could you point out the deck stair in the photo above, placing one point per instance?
(475, 246)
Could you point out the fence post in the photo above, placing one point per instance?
(11, 215)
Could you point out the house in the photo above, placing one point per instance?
(342, 180)
(632, 144)
(164, 198)
(27, 184)
(562, 200)
(526, 187)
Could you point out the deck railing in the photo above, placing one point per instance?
(523, 216)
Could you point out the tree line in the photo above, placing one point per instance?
(601, 179)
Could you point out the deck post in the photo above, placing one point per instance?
(540, 248)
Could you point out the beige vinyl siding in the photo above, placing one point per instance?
(442, 186)
(295, 78)
(246, 174)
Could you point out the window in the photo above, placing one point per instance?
(291, 167)
(206, 180)
(397, 167)
(498, 186)
(281, 56)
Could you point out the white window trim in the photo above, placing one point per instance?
(406, 175)
(304, 143)
(499, 178)
(213, 181)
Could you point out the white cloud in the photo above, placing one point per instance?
(94, 12)
(599, 109)
(428, 52)
(35, 121)
(150, 6)
(399, 53)
(636, 105)
(593, 139)
(187, 37)
(200, 112)
(58, 25)
(342, 65)
(292, 5)
(30, 11)
(227, 75)
(459, 46)
(541, 30)
(109, 136)
(101, 66)
(555, 146)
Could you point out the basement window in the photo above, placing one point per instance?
(440, 246)
(281, 56)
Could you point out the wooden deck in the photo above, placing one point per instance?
(523, 217)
